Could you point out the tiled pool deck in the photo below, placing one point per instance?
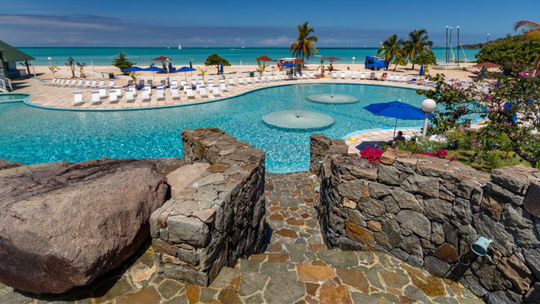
(295, 268)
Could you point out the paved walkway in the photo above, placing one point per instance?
(295, 268)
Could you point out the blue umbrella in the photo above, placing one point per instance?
(289, 64)
(185, 69)
(154, 69)
(190, 66)
(397, 110)
(421, 73)
(221, 69)
(133, 69)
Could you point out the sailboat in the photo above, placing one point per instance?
(179, 46)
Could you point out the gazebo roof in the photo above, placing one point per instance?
(11, 54)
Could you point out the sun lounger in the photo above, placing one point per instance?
(372, 76)
(160, 93)
(362, 76)
(249, 80)
(189, 93)
(94, 83)
(77, 98)
(231, 81)
(174, 93)
(101, 83)
(130, 95)
(95, 97)
(112, 96)
(146, 92)
(223, 86)
(334, 75)
(79, 82)
(174, 83)
(86, 83)
(215, 91)
(342, 75)
(241, 80)
(353, 75)
(73, 82)
(202, 92)
(59, 81)
(111, 83)
(102, 92)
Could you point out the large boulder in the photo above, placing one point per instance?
(64, 224)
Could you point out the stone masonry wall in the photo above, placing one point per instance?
(428, 211)
(219, 216)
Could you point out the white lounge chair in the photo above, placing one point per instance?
(189, 93)
(334, 75)
(202, 92)
(73, 82)
(241, 80)
(111, 83)
(77, 98)
(215, 91)
(94, 83)
(362, 76)
(231, 81)
(160, 93)
(342, 75)
(353, 75)
(130, 95)
(249, 80)
(101, 83)
(95, 97)
(112, 96)
(102, 92)
(174, 93)
(174, 83)
(223, 86)
(146, 93)
(79, 82)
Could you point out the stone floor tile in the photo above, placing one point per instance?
(252, 282)
(313, 273)
(353, 278)
(147, 295)
(169, 288)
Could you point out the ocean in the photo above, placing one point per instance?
(245, 56)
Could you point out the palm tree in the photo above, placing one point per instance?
(304, 45)
(418, 43)
(533, 34)
(391, 49)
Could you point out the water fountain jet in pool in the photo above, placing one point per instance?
(332, 98)
(298, 120)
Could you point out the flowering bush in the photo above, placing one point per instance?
(372, 154)
(440, 153)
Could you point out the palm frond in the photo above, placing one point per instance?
(526, 23)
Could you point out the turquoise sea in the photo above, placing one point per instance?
(143, 56)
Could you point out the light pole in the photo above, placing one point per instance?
(353, 62)
(446, 46)
(428, 106)
(450, 43)
(50, 66)
(487, 37)
(457, 27)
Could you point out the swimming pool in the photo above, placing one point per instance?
(32, 135)
(13, 97)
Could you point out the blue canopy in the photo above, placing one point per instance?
(397, 110)
(185, 69)
(154, 69)
(421, 73)
(289, 64)
(133, 69)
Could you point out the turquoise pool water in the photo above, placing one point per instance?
(11, 97)
(33, 135)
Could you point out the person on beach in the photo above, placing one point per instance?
(330, 67)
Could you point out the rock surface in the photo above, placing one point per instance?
(64, 224)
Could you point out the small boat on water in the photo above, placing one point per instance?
(179, 46)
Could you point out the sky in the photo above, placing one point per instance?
(233, 23)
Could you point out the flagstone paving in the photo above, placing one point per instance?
(296, 267)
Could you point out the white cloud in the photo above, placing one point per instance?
(276, 41)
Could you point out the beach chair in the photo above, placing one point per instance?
(160, 93)
(56, 81)
(86, 83)
(77, 98)
(102, 92)
(241, 80)
(202, 92)
(111, 83)
(189, 93)
(223, 86)
(73, 82)
(130, 83)
(215, 91)
(334, 75)
(94, 83)
(79, 82)
(372, 76)
(231, 81)
(342, 75)
(353, 75)
(119, 92)
(130, 95)
(95, 97)
(112, 96)
(141, 82)
(146, 92)
(249, 80)
(404, 78)
(174, 83)
(263, 78)
(362, 76)
(101, 83)
(150, 83)
(174, 93)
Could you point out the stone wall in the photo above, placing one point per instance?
(216, 211)
(428, 211)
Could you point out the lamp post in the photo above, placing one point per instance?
(457, 27)
(50, 66)
(353, 62)
(428, 106)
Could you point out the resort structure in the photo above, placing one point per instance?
(390, 178)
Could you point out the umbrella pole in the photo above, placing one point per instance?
(395, 126)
